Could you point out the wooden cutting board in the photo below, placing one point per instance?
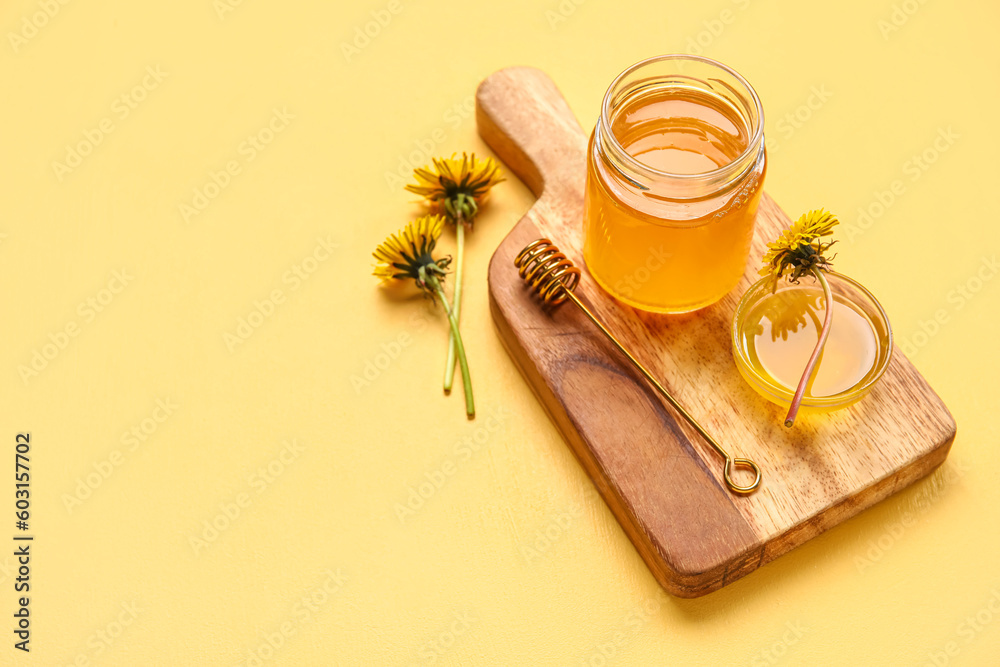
(663, 483)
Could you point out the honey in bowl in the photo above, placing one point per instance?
(782, 332)
(774, 335)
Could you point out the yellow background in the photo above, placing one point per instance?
(456, 582)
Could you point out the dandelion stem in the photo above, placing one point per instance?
(824, 333)
(449, 368)
(470, 408)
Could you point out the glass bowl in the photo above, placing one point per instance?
(845, 291)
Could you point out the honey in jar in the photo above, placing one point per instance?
(675, 171)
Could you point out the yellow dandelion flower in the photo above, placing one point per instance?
(456, 186)
(799, 249)
(408, 254)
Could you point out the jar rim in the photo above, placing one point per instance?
(738, 164)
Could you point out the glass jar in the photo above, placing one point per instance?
(675, 170)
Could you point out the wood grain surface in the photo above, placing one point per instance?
(662, 482)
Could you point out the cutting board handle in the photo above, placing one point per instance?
(524, 118)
